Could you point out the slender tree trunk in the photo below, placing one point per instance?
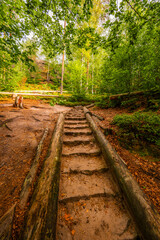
(92, 78)
(4, 75)
(92, 73)
(48, 78)
(87, 73)
(81, 71)
(63, 62)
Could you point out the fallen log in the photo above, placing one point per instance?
(146, 217)
(91, 105)
(95, 115)
(29, 94)
(32, 91)
(41, 218)
(6, 223)
(124, 96)
(32, 173)
(96, 119)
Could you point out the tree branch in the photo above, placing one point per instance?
(133, 8)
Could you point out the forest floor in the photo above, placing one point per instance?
(145, 169)
(21, 135)
(19, 139)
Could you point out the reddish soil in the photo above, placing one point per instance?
(144, 169)
(19, 139)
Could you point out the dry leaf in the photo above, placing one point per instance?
(73, 232)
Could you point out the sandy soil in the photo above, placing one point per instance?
(19, 139)
(144, 169)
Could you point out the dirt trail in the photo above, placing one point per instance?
(90, 205)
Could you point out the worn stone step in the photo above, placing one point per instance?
(85, 163)
(77, 185)
(70, 122)
(75, 118)
(75, 126)
(86, 129)
(75, 115)
(97, 218)
(76, 142)
(76, 133)
(82, 153)
(68, 138)
(89, 148)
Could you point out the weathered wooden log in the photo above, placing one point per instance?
(96, 119)
(97, 116)
(145, 216)
(40, 91)
(124, 96)
(32, 173)
(91, 105)
(41, 218)
(6, 223)
(29, 94)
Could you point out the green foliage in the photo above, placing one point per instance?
(102, 102)
(133, 46)
(138, 127)
(72, 104)
(129, 103)
(153, 104)
(122, 55)
(78, 97)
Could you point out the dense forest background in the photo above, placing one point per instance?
(109, 46)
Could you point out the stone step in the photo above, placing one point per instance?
(74, 185)
(69, 122)
(67, 138)
(67, 126)
(82, 153)
(75, 118)
(91, 146)
(76, 133)
(95, 218)
(86, 129)
(75, 115)
(85, 163)
(77, 142)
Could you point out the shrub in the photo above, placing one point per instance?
(143, 126)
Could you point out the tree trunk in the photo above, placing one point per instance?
(81, 71)
(48, 78)
(63, 63)
(87, 73)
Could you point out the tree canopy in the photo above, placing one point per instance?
(111, 46)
